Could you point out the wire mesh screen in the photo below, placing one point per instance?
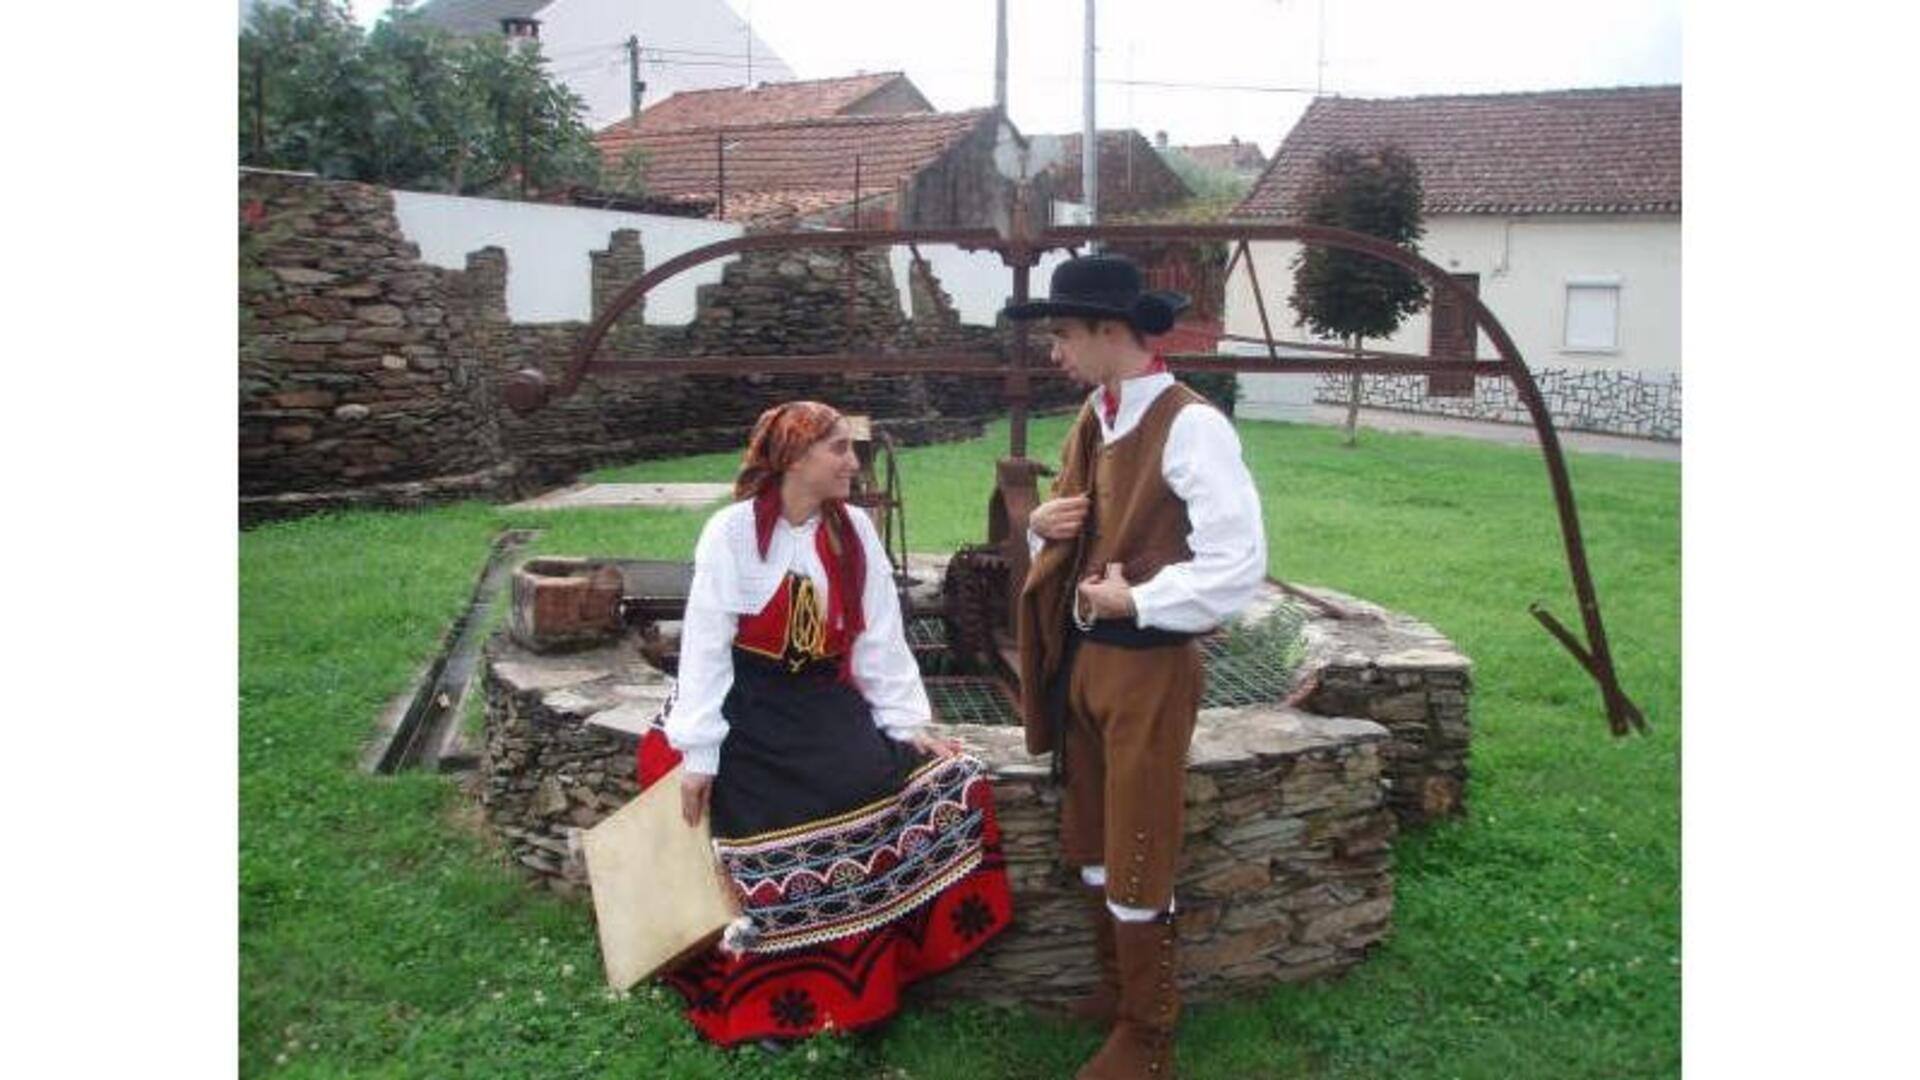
(970, 700)
(1246, 665)
(1252, 665)
(927, 632)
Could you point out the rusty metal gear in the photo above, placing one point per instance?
(974, 594)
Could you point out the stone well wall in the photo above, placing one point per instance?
(1367, 661)
(1286, 871)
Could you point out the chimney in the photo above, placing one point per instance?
(1233, 140)
(1160, 139)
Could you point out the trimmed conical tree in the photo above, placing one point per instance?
(1346, 294)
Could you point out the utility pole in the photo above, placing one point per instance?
(1000, 57)
(720, 172)
(635, 86)
(523, 152)
(259, 108)
(1320, 65)
(1090, 135)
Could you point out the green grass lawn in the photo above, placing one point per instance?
(1539, 936)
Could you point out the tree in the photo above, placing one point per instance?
(407, 105)
(1347, 294)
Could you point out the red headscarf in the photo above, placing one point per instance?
(782, 436)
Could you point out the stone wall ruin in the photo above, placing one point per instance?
(370, 378)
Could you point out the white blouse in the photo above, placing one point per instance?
(730, 580)
(1203, 467)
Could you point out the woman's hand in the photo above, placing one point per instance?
(696, 789)
(937, 746)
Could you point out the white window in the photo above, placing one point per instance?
(1593, 315)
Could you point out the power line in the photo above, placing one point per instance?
(1239, 87)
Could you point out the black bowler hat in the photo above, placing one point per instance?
(1104, 287)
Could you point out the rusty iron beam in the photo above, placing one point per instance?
(987, 364)
(873, 363)
(1022, 248)
(1259, 302)
(1326, 607)
(1336, 349)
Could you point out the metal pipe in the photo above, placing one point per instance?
(1089, 133)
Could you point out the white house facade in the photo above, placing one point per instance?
(1583, 271)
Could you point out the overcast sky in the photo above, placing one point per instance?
(1372, 48)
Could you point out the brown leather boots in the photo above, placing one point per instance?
(1140, 1047)
(1098, 1007)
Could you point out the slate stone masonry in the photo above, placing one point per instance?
(357, 382)
(1610, 402)
(368, 378)
(1287, 872)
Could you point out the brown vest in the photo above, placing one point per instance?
(1135, 520)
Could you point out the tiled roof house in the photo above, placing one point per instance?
(1560, 208)
(1563, 151)
(921, 168)
(886, 93)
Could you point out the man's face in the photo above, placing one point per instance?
(827, 469)
(1079, 350)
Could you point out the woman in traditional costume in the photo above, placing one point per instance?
(862, 847)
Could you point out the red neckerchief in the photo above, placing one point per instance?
(1110, 401)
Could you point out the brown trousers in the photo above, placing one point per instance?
(1130, 715)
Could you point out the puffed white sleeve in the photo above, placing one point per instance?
(695, 726)
(883, 665)
(1203, 466)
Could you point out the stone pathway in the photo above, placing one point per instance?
(1581, 442)
(652, 496)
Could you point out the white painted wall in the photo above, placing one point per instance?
(979, 283)
(1272, 397)
(1525, 265)
(549, 275)
(585, 45)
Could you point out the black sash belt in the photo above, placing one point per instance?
(1125, 634)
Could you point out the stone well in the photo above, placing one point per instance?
(1286, 872)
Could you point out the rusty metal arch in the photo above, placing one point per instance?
(527, 390)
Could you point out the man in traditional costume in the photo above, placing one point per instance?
(863, 849)
(1153, 537)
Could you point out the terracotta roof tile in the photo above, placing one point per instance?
(806, 165)
(1563, 151)
(767, 103)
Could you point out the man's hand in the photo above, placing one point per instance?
(1108, 595)
(696, 789)
(935, 745)
(1059, 519)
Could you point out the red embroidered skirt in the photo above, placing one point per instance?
(848, 909)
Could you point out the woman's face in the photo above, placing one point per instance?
(827, 469)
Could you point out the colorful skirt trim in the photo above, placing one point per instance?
(842, 914)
